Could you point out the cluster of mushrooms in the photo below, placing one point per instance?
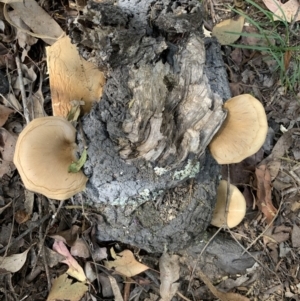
(241, 135)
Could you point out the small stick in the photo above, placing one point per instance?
(23, 93)
(199, 256)
(258, 261)
(11, 288)
(25, 232)
(5, 249)
(42, 249)
(182, 296)
(265, 230)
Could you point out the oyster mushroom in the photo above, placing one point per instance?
(236, 206)
(243, 132)
(44, 150)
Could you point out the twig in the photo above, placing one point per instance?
(42, 249)
(265, 230)
(182, 296)
(11, 232)
(215, 234)
(10, 89)
(11, 104)
(11, 288)
(22, 88)
(289, 160)
(61, 203)
(212, 11)
(48, 227)
(290, 190)
(258, 261)
(199, 256)
(126, 291)
(26, 232)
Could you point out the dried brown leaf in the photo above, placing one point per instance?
(29, 201)
(296, 236)
(75, 270)
(12, 263)
(38, 20)
(236, 89)
(6, 167)
(287, 58)
(99, 253)
(264, 195)
(5, 231)
(287, 11)
(169, 274)
(38, 104)
(11, 101)
(126, 264)
(4, 113)
(23, 37)
(273, 161)
(80, 249)
(21, 216)
(115, 289)
(53, 258)
(7, 145)
(283, 11)
(237, 56)
(272, 5)
(90, 271)
(105, 283)
(68, 236)
(271, 236)
(63, 289)
(228, 31)
(222, 296)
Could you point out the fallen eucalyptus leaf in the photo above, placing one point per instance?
(169, 274)
(13, 263)
(228, 31)
(126, 264)
(63, 289)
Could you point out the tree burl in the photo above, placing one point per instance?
(150, 174)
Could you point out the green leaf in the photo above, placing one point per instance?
(75, 110)
(76, 166)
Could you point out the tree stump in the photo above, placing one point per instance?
(150, 174)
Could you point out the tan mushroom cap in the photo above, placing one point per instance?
(243, 132)
(44, 151)
(236, 208)
(72, 78)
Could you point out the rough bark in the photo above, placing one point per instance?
(149, 172)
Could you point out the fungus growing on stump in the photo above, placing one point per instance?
(236, 206)
(243, 132)
(72, 78)
(44, 151)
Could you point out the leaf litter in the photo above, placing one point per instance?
(283, 178)
(64, 289)
(125, 264)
